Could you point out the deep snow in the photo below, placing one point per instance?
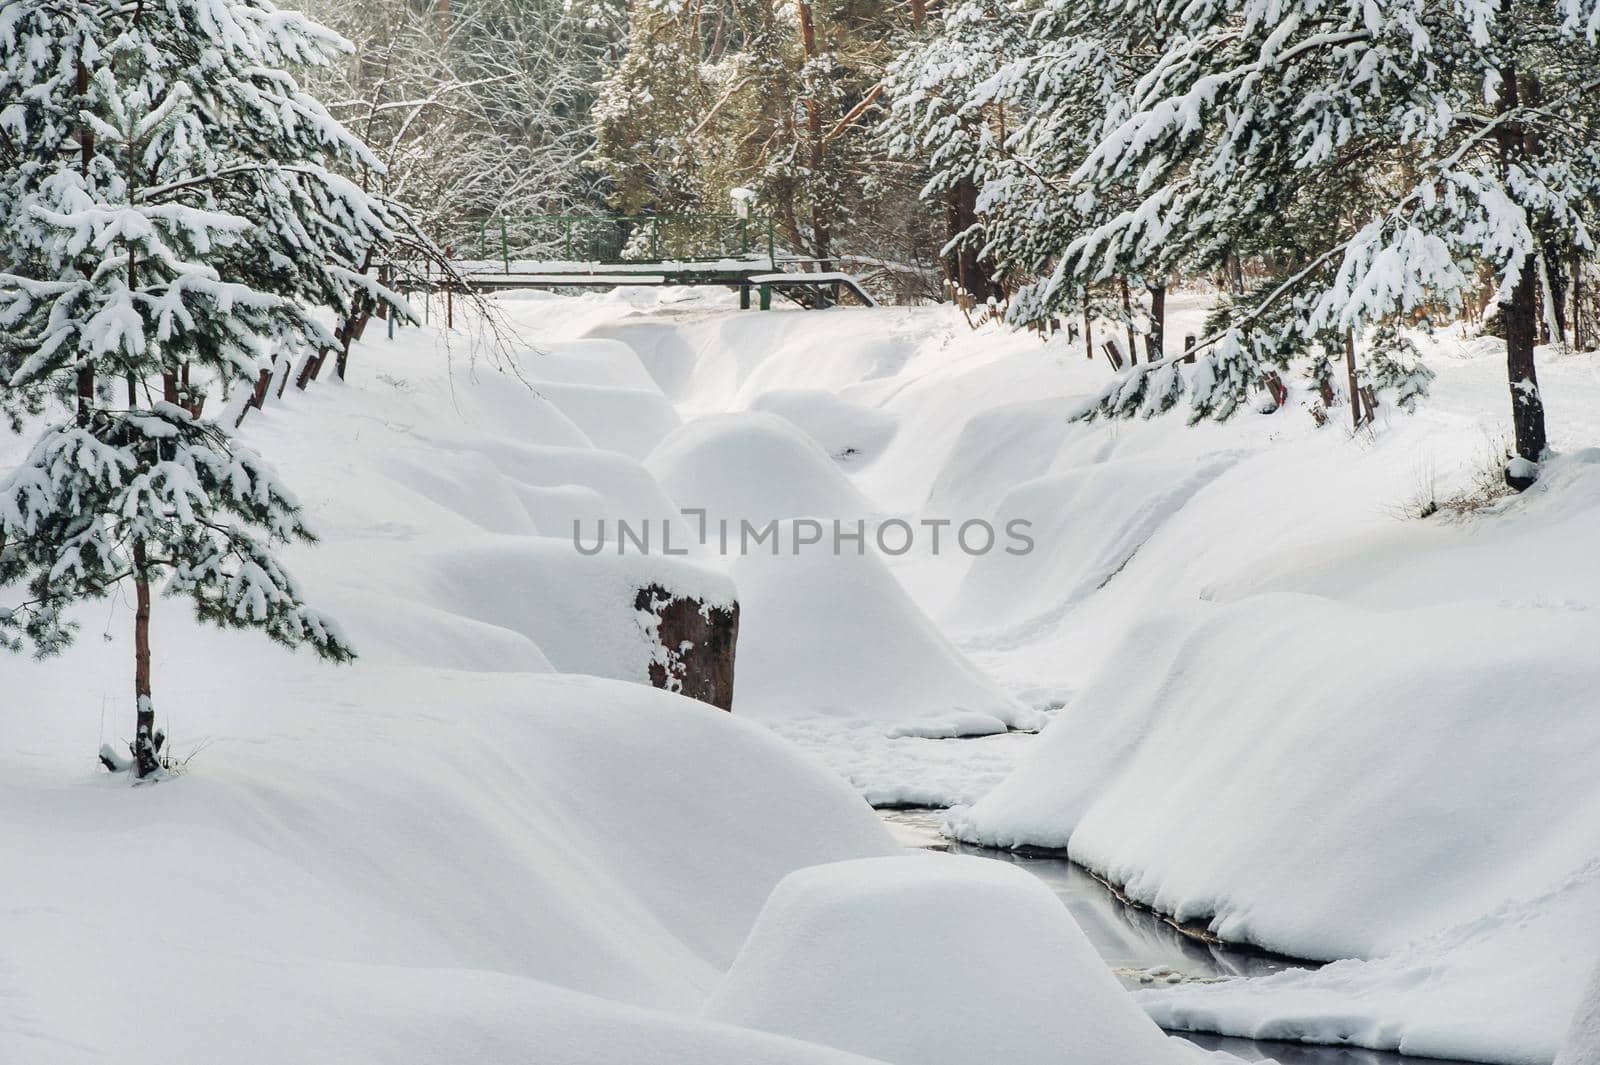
(1295, 710)
(1278, 703)
(838, 948)
(487, 838)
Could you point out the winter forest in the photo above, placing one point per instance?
(799, 532)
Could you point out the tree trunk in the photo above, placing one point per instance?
(1127, 313)
(822, 239)
(146, 759)
(1521, 311)
(85, 394)
(1575, 299)
(968, 272)
(1155, 343)
(1350, 372)
(1527, 409)
(1088, 334)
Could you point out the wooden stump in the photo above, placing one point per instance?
(695, 645)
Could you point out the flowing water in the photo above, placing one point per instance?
(1143, 949)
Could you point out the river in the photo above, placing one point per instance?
(1143, 949)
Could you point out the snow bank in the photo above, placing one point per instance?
(850, 432)
(364, 824)
(1582, 1046)
(836, 635)
(630, 420)
(754, 468)
(855, 955)
(1087, 525)
(579, 610)
(446, 850)
(1499, 988)
(1449, 800)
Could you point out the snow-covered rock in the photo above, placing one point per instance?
(752, 467)
(835, 634)
(852, 433)
(857, 955)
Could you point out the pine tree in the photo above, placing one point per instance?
(781, 99)
(1469, 126)
(171, 221)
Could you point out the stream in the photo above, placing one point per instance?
(1144, 950)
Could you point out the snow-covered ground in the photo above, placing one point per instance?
(487, 838)
(1295, 710)
(1273, 700)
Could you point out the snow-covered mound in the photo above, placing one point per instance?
(752, 467)
(578, 610)
(1424, 834)
(445, 850)
(1087, 524)
(853, 955)
(1444, 698)
(1582, 1045)
(630, 420)
(1498, 988)
(836, 635)
(851, 433)
(358, 826)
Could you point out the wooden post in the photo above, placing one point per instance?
(766, 297)
(1155, 343)
(1276, 389)
(744, 297)
(1088, 335)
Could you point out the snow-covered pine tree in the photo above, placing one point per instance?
(949, 113)
(170, 222)
(1003, 101)
(1471, 122)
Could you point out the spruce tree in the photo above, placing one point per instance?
(172, 220)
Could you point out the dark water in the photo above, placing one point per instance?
(1145, 950)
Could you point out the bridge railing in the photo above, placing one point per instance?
(625, 239)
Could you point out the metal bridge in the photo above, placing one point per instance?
(730, 251)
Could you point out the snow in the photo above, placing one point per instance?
(839, 948)
(1294, 710)
(849, 432)
(1279, 704)
(486, 834)
(752, 467)
(835, 634)
(1582, 1046)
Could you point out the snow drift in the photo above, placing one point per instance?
(853, 955)
(754, 468)
(836, 635)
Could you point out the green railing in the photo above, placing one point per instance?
(625, 239)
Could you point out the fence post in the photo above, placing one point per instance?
(766, 297)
